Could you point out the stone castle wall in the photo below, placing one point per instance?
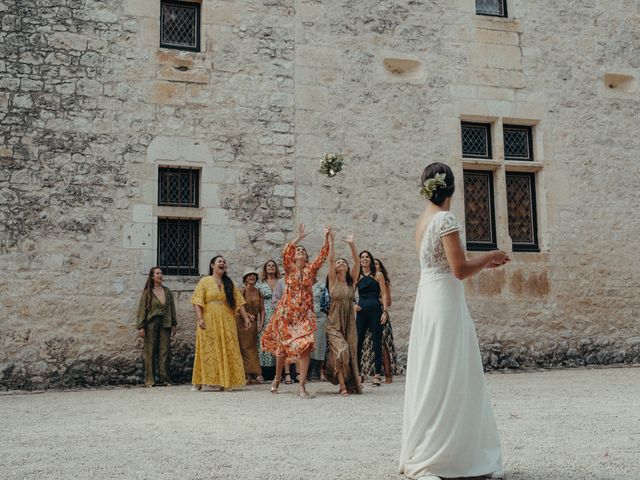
(90, 107)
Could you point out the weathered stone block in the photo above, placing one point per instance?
(175, 74)
(504, 56)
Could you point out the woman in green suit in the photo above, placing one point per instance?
(156, 324)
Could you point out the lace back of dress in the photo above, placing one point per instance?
(433, 258)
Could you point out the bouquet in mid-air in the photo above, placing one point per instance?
(331, 164)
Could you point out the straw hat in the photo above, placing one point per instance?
(247, 273)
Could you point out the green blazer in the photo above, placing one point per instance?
(166, 312)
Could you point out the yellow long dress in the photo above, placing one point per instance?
(217, 358)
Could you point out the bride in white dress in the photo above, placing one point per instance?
(449, 429)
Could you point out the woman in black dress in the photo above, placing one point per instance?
(372, 313)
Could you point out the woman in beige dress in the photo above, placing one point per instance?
(248, 338)
(342, 360)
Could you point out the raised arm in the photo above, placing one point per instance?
(332, 261)
(355, 270)
(289, 251)
(324, 251)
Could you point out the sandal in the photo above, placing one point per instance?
(259, 379)
(287, 379)
(274, 386)
(388, 379)
(376, 381)
(344, 392)
(302, 392)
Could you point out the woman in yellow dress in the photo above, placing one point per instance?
(218, 363)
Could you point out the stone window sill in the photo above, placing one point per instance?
(499, 23)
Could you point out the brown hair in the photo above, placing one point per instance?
(263, 272)
(148, 287)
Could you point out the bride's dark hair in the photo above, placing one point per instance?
(441, 193)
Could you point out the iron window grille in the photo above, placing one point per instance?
(493, 8)
(521, 208)
(518, 142)
(476, 140)
(178, 187)
(178, 242)
(180, 25)
(479, 208)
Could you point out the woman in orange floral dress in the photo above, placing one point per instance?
(290, 334)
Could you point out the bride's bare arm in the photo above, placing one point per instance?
(461, 266)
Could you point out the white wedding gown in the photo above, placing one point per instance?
(449, 429)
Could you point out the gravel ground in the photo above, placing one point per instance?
(555, 425)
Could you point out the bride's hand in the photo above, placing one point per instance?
(498, 258)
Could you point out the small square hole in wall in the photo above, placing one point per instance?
(620, 82)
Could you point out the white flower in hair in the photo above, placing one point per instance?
(432, 184)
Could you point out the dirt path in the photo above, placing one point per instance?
(555, 425)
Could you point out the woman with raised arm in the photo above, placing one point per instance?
(291, 331)
(218, 363)
(449, 429)
(342, 361)
(372, 310)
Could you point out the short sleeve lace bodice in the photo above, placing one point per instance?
(433, 258)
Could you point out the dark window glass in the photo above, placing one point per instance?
(495, 8)
(178, 246)
(521, 207)
(180, 25)
(480, 228)
(178, 187)
(518, 143)
(476, 140)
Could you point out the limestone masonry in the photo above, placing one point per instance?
(91, 107)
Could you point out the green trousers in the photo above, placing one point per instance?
(156, 350)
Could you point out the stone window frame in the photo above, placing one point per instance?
(504, 14)
(500, 167)
(480, 126)
(533, 245)
(475, 245)
(192, 270)
(165, 174)
(178, 212)
(197, 5)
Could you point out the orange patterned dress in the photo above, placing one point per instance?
(293, 324)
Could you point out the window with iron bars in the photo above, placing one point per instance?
(480, 226)
(178, 187)
(178, 243)
(521, 208)
(476, 140)
(518, 142)
(180, 25)
(494, 8)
